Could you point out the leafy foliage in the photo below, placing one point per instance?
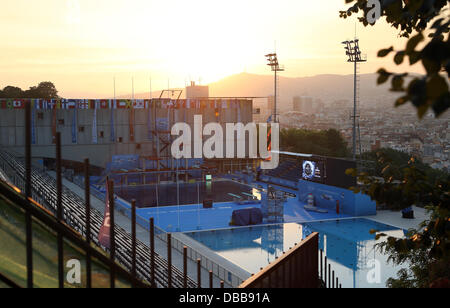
(327, 142)
(398, 161)
(44, 90)
(415, 18)
(426, 249)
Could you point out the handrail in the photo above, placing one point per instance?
(74, 212)
(9, 282)
(61, 228)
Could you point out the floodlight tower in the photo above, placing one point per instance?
(354, 55)
(275, 66)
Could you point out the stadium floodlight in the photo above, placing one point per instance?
(353, 52)
(272, 58)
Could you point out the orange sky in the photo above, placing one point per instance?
(81, 45)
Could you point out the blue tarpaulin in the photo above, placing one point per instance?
(246, 217)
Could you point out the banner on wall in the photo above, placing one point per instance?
(74, 127)
(94, 128)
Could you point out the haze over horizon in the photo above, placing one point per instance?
(82, 45)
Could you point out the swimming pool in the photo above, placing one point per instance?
(347, 243)
(189, 193)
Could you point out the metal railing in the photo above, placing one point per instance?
(38, 215)
(327, 276)
(78, 214)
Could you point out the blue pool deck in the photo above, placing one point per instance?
(193, 217)
(347, 243)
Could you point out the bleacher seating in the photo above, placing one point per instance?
(288, 169)
(44, 187)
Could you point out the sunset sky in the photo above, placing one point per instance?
(81, 45)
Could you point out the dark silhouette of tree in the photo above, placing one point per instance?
(45, 90)
(328, 143)
(414, 19)
(425, 250)
(12, 92)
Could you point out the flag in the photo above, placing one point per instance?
(18, 104)
(105, 231)
(124, 104)
(139, 104)
(83, 104)
(104, 104)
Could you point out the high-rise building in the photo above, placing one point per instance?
(303, 104)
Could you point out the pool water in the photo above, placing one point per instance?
(188, 193)
(348, 245)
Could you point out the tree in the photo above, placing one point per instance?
(427, 249)
(421, 21)
(328, 143)
(45, 90)
(12, 92)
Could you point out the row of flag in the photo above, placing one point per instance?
(121, 103)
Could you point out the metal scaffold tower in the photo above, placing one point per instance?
(354, 55)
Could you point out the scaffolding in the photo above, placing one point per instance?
(272, 205)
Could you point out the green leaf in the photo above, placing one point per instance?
(384, 52)
(413, 42)
(414, 57)
(383, 76)
(436, 86)
(398, 59)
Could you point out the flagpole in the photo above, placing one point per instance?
(132, 89)
(178, 197)
(151, 96)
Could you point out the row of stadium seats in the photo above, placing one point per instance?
(288, 170)
(44, 186)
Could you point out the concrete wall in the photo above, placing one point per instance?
(325, 197)
(12, 131)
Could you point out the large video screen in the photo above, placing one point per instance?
(312, 170)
